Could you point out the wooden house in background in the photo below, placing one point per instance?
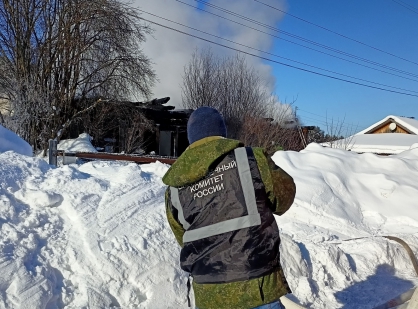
(393, 124)
(391, 135)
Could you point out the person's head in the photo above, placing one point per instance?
(204, 122)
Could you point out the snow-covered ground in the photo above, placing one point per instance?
(10, 141)
(94, 235)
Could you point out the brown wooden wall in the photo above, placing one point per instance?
(385, 129)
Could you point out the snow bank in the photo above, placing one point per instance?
(383, 143)
(95, 235)
(343, 195)
(9, 141)
(91, 236)
(80, 144)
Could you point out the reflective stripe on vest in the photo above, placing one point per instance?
(252, 219)
(175, 200)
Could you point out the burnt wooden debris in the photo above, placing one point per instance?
(145, 128)
(170, 125)
(118, 157)
(151, 127)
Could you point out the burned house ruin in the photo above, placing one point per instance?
(135, 127)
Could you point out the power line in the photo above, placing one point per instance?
(334, 32)
(274, 55)
(405, 5)
(328, 121)
(324, 126)
(331, 123)
(274, 61)
(280, 38)
(329, 118)
(311, 113)
(301, 38)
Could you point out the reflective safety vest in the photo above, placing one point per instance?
(231, 234)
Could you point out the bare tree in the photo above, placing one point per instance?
(252, 114)
(339, 135)
(4, 109)
(201, 81)
(228, 84)
(121, 121)
(280, 132)
(57, 53)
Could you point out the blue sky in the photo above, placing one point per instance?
(382, 24)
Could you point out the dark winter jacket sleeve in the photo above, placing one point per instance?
(279, 185)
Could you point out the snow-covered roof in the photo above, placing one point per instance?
(383, 143)
(408, 123)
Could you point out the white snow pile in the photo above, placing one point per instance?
(383, 143)
(9, 141)
(80, 144)
(95, 235)
(343, 195)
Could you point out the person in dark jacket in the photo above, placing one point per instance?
(220, 202)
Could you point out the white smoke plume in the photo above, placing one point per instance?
(171, 51)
